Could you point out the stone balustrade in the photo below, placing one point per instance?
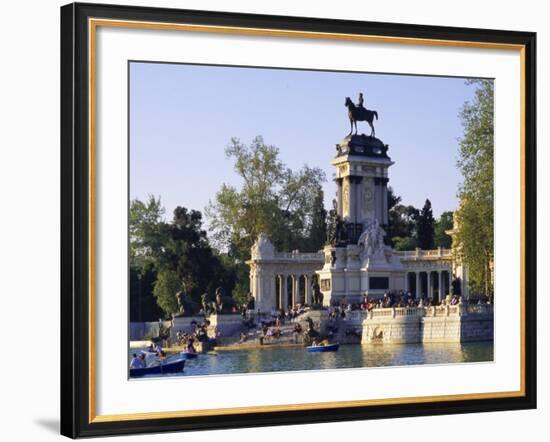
(423, 254)
(442, 323)
(299, 256)
(432, 311)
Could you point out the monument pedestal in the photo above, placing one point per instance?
(360, 263)
(185, 324)
(226, 325)
(382, 272)
(357, 272)
(319, 318)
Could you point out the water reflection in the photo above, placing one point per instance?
(348, 356)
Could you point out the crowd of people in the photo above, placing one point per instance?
(198, 334)
(388, 300)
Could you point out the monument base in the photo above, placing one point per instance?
(185, 324)
(225, 325)
(319, 318)
(349, 274)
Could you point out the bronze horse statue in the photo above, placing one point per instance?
(356, 114)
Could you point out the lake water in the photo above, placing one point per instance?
(271, 359)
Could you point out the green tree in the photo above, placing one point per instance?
(475, 216)
(407, 243)
(189, 255)
(148, 236)
(167, 284)
(165, 256)
(317, 231)
(442, 225)
(425, 227)
(143, 305)
(273, 199)
(147, 232)
(401, 228)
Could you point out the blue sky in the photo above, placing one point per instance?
(183, 116)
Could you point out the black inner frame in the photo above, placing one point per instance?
(75, 220)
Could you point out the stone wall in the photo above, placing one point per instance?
(431, 325)
(140, 330)
(441, 329)
(476, 327)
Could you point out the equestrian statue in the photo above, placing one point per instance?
(360, 113)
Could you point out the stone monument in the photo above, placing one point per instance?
(226, 321)
(357, 262)
(187, 315)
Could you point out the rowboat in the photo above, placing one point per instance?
(149, 353)
(173, 366)
(323, 348)
(188, 355)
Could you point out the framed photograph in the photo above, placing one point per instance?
(273, 220)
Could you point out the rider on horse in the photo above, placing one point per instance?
(360, 100)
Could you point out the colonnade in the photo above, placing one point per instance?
(433, 284)
(292, 289)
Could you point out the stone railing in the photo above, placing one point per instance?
(433, 311)
(420, 254)
(484, 309)
(396, 312)
(298, 256)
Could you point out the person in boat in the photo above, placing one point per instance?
(190, 347)
(137, 361)
(158, 348)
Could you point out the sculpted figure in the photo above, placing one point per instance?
(186, 306)
(224, 303)
(336, 228)
(262, 248)
(317, 295)
(208, 304)
(456, 286)
(251, 302)
(360, 101)
(372, 238)
(311, 332)
(359, 113)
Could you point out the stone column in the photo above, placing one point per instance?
(384, 219)
(274, 278)
(352, 199)
(309, 280)
(257, 291)
(377, 200)
(285, 292)
(278, 292)
(418, 292)
(440, 284)
(295, 289)
(429, 284)
(406, 282)
(339, 196)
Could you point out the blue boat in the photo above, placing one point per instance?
(188, 355)
(323, 348)
(173, 366)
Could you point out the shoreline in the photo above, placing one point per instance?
(258, 346)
